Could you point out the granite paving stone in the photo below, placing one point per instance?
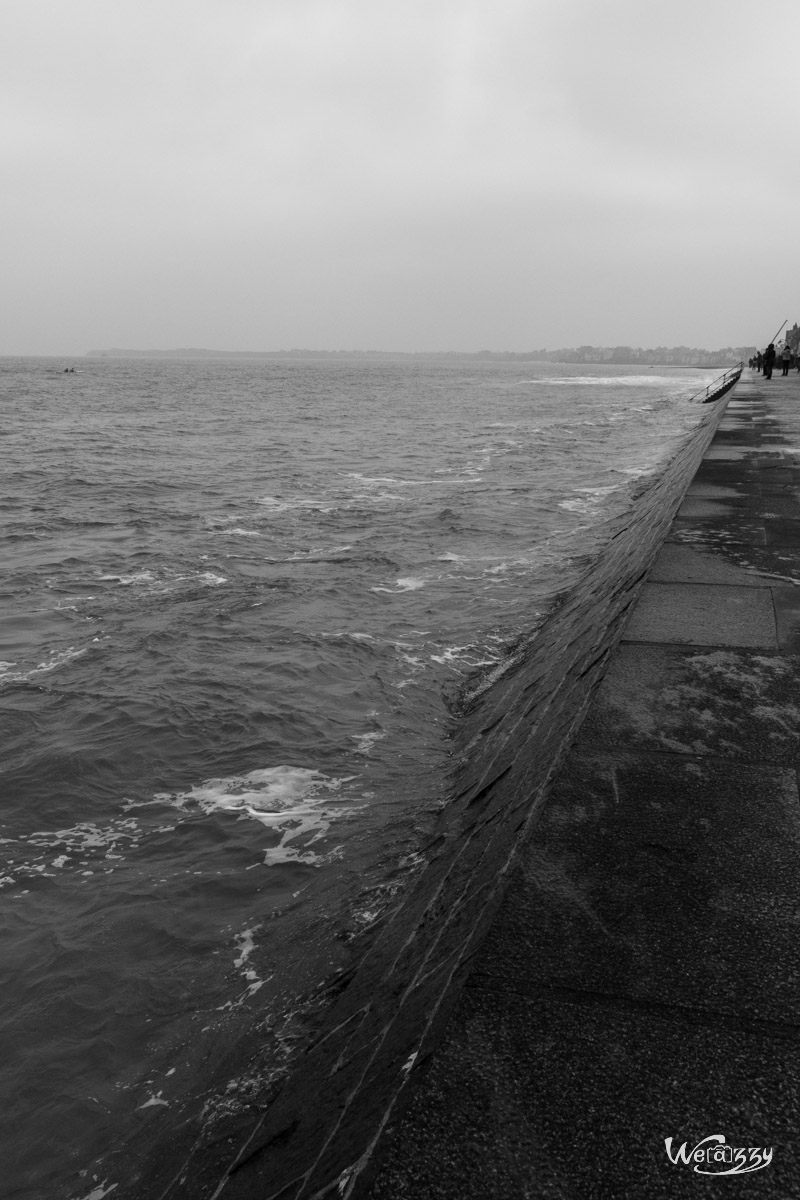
(549, 1098)
(707, 506)
(728, 702)
(786, 599)
(681, 563)
(704, 615)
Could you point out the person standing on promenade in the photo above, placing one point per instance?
(769, 360)
(786, 358)
(759, 361)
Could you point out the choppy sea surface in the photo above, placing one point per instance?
(239, 603)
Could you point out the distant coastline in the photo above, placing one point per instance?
(674, 356)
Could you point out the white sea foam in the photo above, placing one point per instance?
(64, 605)
(141, 577)
(278, 504)
(55, 659)
(636, 472)
(459, 654)
(491, 677)
(346, 635)
(366, 741)
(164, 581)
(467, 657)
(373, 483)
(599, 492)
(409, 583)
(589, 499)
(577, 506)
(313, 555)
(90, 845)
(381, 480)
(245, 944)
(377, 479)
(669, 383)
(88, 836)
(100, 1191)
(293, 802)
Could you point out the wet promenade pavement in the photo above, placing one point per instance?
(642, 979)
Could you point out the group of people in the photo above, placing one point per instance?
(765, 360)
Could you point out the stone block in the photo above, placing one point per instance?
(704, 615)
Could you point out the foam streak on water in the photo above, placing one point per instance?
(237, 598)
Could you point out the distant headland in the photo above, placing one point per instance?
(674, 356)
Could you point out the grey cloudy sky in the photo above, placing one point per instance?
(397, 174)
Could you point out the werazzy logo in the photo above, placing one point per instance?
(713, 1156)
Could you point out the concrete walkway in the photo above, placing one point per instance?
(642, 980)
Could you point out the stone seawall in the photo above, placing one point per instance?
(637, 989)
(317, 1135)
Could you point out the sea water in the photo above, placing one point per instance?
(241, 602)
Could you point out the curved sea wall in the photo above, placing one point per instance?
(316, 1135)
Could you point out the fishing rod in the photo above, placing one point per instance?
(778, 334)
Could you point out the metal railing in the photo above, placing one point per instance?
(718, 387)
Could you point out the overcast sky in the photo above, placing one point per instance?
(398, 174)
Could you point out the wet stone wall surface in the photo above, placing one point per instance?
(316, 1136)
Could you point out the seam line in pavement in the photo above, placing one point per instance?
(775, 651)
(636, 751)
(713, 1018)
